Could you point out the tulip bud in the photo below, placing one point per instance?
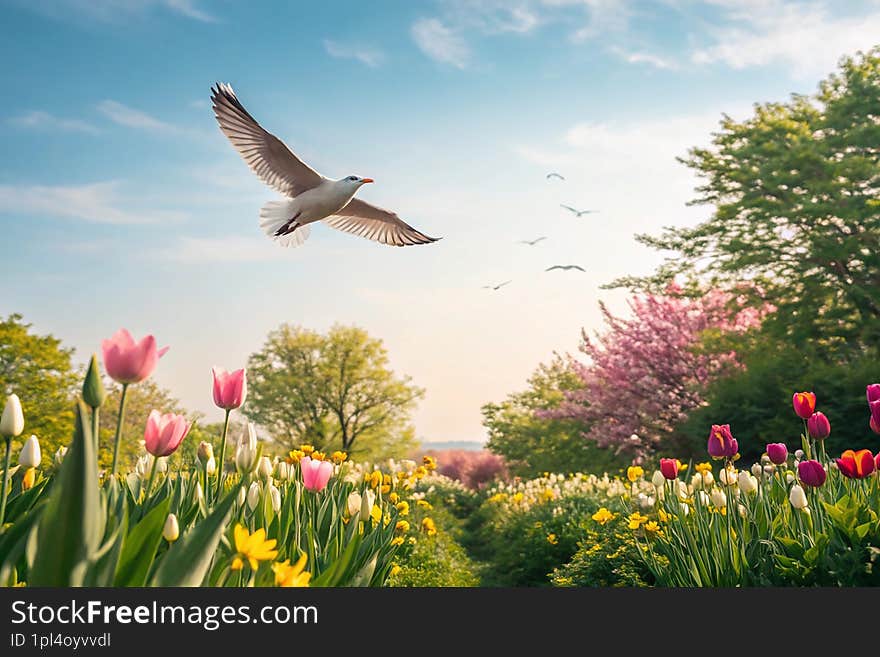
(708, 479)
(12, 420)
(721, 442)
(799, 454)
(242, 496)
(777, 453)
(798, 497)
(264, 468)
(742, 510)
(757, 470)
(747, 483)
(658, 479)
(697, 481)
(369, 499)
(275, 496)
(205, 452)
(789, 477)
(728, 476)
(171, 530)
(200, 494)
(253, 495)
(27, 481)
(59, 456)
(669, 468)
(282, 471)
(683, 492)
(704, 498)
(354, 503)
(93, 392)
(246, 451)
(811, 473)
(211, 467)
(30, 456)
(873, 392)
(818, 426)
(804, 404)
(719, 499)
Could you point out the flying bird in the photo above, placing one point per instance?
(579, 213)
(496, 287)
(553, 174)
(532, 242)
(309, 196)
(566, 268)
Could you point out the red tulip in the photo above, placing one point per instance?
(164, 433)
(877, 462)
(669, 468)
(230, 388)
(127, 361)
(777, 453)
(856, 465)
(818, 426)
(721, 442)
(804, 404)
(873, 392)
(811, 473)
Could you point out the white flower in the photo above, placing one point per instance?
(275, 496)
(704, 498)
(747, 483)
(789, 477)
(12, 419)
(658, 479)
(354, 503)
(242, 496)
(799, 454)
(30, 456)
(59, 456)
(200, 494)
(246, 450)
(797, 497)
(282, 471)
(264, 468)
(683, 492)
(211, 466)
(757, 470)
(697, 481)
(742, 510)
(171, 530)
(369, 499)
(253, 495)
(728, 476)
(708, 479)
(719, 499)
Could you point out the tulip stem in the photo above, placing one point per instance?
(5, 479)
(119, 418)
(207, 487)
(96, 436)
(150, 480)
(220, 464)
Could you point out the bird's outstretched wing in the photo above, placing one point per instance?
(553, 174)
(553, 267)
(500, 285)
(266, 155)
(360, 218)
(578, 267)
(568, 207)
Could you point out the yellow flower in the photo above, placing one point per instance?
(703, 467)
(27, 482)
(294, 456)
(402, 526)
(397, 540)
(538, 524)
(429, 462)
(291, 576)
(429, 527)
(338, 457)
(252, 547)
(306, 449)
(681, 466)
(497, 497)
(402, 509)
(548, 494)
(420, 472)
(634, 472)
(386, 519)
(552, 539)
(411, 540)
(425, 504)
(636, 520)
(375, 478)
(652, 527)
(318, 456)
(518, 497)
(376, 513)
(664, 517)
(385, 489)
(394, 498)
(394, 570)
(603, 516)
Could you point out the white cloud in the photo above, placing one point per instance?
(440, 43)
(132, 118)
(364, 54)
(101, 203)
(199, 250)
(650, 59)
(189, 9)
(808, 38)
(39, 119)
(113, 11)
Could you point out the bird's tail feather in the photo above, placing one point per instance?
(274, 215)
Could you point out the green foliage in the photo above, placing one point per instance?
(531, 444)
(606, 557)
(333, 391)
(38, 369)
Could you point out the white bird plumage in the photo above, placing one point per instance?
(579, 213)
(566, 268)
(310, 196)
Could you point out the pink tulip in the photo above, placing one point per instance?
(874, 426)
(315, 474)
(875, 412)
(230, 388)
(164, 433)
(777, 453)
(130, 362)
(873, 392)
(818, 426)
(811, 473)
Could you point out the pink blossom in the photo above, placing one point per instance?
(127, 361)
(164, 433)
(315, 474)
(230, 388)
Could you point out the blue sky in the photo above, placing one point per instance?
(123, 205)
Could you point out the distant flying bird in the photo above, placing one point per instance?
(532, 242)
(579, 213)
(566, 268)
(496, 287)
(553, 174)
(310, 196)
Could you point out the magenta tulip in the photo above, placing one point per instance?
(721, 442)
(804, 404)
(127, 361)
(811, 473)
(818, 426)
(164, 433)
(875, 427)
(315, 474)
(875, 412)
(777, 453)
(873, 392)
(230, 388)
(669, 468)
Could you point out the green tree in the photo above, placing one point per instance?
(39, 370)
(334, 391)
(796, 212)
(532, 444)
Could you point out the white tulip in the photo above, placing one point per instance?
(30, 456)
(246, 450)
(367, 503)
(769, 470)
(658, 479)
(253, 495)
(685, 509)
(59, 456)
(742, 510)
(161, 464)
(704, 498)
(211, 466)
(728, 476)
(242, 496)
(719, 499)
(171, 530)
(799, 454)
(275, 496)
(200, 494)
(282, 471)
(264, 468)
(354, 503)
(747, 483)
(683, 492)
(697, 481)
(797, 497)
(789, 477)
(12, 420)
(708, 479)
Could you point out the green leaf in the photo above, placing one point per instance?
(72, 524)
(140, 547)
(188, 561)
(101, 571)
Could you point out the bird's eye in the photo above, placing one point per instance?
(352, 177)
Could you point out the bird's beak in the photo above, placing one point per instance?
(366, 180)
